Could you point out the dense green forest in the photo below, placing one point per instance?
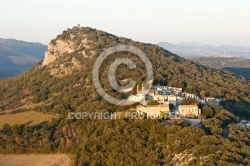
(66, 86)
(134, 142)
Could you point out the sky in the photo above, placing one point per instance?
(215, 22)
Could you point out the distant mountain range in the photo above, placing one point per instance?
(231, 58)
(239, 66)
(195, 49)
(16, 56)
(221, 62)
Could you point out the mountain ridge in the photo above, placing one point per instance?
(196, 49)
(17, 55)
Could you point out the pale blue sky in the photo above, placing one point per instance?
(208, 21)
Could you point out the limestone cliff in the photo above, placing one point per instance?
(56, 50)
(66, 43)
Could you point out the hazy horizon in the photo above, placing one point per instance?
(177, 43)
(211, 22)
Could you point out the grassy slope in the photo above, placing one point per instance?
(30, 117)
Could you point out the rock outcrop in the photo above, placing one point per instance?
(55, 50)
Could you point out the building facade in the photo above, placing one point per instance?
(189, 110)
(153, 111)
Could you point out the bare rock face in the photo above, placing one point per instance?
(55, 50)
(58, 58)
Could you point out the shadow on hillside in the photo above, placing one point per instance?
(28, 123)
(238, 108)
(40, 125)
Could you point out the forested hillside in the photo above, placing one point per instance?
(62, 83)
(239, 66)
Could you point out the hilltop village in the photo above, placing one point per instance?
(170, 102)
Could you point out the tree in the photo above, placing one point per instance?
(6, 128)
(189, 101)
(171, 106)
(207, 112)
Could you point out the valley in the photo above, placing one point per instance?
(17, 56)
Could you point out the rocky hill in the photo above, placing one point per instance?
(62, 83)
(66, 72)
(17, 56)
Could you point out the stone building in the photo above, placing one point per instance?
(189, 110)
